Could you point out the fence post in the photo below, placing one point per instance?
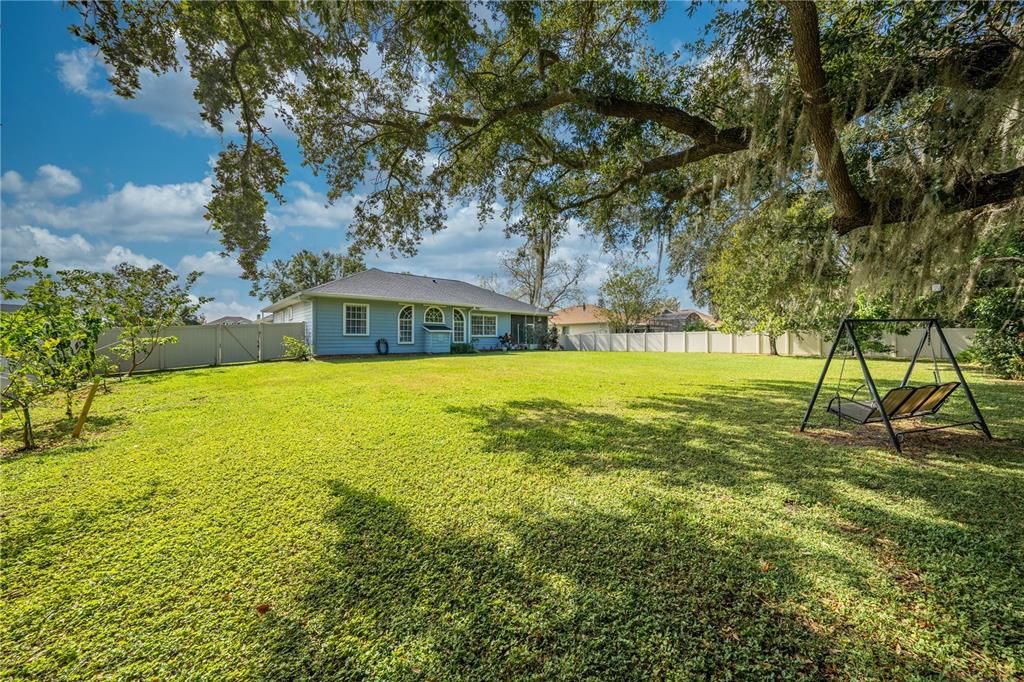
(707, 340)
(664, 342)
(259, 343)
(732, 343)
(219, 336)
(645, 340)
(686, 342)
(160, 356)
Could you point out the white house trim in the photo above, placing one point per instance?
(484, 336)
(412, 325)
(465, 325)
(344, 318)
(427, 312)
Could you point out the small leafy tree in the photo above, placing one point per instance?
(27, 357)
(631, 293)
(50, 343)
(143, 302)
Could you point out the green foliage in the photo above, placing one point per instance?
(555, 111)
(997, 308)
(463, 348)
(303, 270)
(551, 339)
(142, 302)
(631, 293)
(296, 348)
(772, 277)
(621, 516)
(999, 343)
(50, 343)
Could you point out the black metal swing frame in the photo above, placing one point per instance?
(877, 405)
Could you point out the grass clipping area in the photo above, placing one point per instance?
(540, 515)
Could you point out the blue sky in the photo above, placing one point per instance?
(91, 180)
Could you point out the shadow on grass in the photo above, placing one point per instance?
(745, 438)
(54, 433)
(637, 595)
(46, 534)
(660, 588)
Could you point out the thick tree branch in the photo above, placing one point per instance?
(803, 20)
(980, 65)
(672, 118)
(968, 193)
(660, 164)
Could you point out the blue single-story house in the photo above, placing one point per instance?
(413, 314)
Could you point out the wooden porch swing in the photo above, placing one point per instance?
(902, 402)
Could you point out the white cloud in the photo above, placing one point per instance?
(227, 302)
(166, 99)
(210, 263)
(309, 208)
(136, 212)
(466, 252)
(461, 251)
(70, 252)
(50, 182)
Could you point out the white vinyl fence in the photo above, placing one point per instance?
(205, 345)
(752, 344)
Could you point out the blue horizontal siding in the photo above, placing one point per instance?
(330, 339)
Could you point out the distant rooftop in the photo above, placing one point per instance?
(581, 314)
(230, 319)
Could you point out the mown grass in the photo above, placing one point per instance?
(545, 515)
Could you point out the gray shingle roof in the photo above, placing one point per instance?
(395, 286)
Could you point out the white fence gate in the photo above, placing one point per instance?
(205, 345)
(751, 344)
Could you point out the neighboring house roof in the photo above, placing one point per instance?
(581, 314)
(231, 319)
(403, 288)
(11, 307)
(683, 315)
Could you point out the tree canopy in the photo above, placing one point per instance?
(304, 269)
(632, 295)
(902, 120)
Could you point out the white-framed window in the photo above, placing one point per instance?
(433, 315)
(406, 330)
(483, 325)
(288, 312)
(356, 319)
(458, 326)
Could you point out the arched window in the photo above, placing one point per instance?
(406, 332)
(458, 326)
(433, 316)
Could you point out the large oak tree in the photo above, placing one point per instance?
(903, 119)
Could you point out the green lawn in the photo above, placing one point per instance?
(545, 515)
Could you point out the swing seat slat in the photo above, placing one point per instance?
(902, 402)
